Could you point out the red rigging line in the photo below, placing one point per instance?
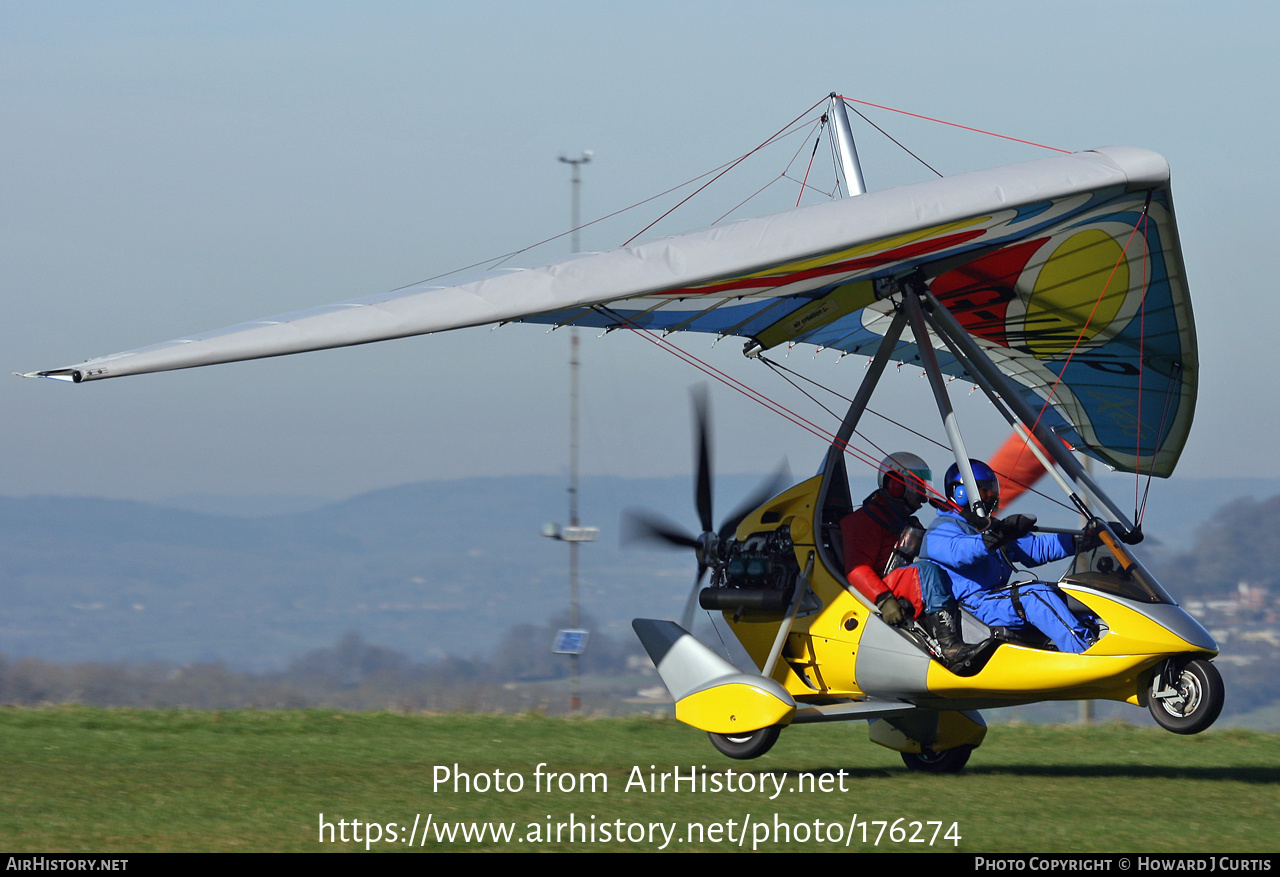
(758, 397)
(804, 184)
(735, 384)
(1142, 340)
(953, 124)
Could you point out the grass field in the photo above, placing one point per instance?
(79, 779)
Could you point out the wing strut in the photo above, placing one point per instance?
(913, 288)
(875, 368)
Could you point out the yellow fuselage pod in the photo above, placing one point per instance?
(820, 659)
(820, 653)
(1117, 667)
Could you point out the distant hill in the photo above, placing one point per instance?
(1240, 543)
(427, 569)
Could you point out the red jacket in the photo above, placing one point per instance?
(869, 535)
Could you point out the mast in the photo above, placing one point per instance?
(846, 148)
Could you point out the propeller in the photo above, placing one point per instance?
(643, 526)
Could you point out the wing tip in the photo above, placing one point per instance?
(73, 375)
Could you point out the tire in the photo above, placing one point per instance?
(947, 761)
(1197, 701)
(743, 746)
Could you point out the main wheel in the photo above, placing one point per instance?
(751, 745)
(1190, 696)
(946, 761)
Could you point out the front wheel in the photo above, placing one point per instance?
(1186, 697)
(947, 761)
(751, 745)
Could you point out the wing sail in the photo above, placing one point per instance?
(1066, 270)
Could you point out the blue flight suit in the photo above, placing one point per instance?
(978, 574)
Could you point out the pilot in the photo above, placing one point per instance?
(980, 562)
(921, 590)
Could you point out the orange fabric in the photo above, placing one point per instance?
(1016, 467)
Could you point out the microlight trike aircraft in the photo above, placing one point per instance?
(1056, 286)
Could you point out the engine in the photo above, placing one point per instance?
(757, 574)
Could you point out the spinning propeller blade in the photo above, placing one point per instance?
(770, 488)
(643, 526)
(639, 525)
(702, 483)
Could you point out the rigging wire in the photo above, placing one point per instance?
(719, 171)
(804, 184)
(496, 261)
(895, 140)
(737, 385)
(750, 197)
(780, 133)
(1075, 347)
(779, 368)
(715, 173)
(781, 176)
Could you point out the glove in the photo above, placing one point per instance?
(1089, 539)
(891, 609)
(1001, 532)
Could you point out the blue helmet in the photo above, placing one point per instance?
(988, 485)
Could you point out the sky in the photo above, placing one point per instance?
(173, 168)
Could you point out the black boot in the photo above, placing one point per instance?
(957, 656)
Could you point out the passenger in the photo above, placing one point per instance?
(920, 590)
(980, 563)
